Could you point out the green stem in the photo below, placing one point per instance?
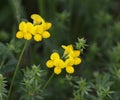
(2, 62)
(16, 4)
(48, 81)
(4, 58)
(16, 69)
(41, 7)
(52, 9)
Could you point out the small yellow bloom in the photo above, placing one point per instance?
(37, 29)
(55, 62)
(37, 19)
(70, 56)
(70, 69)
(37, 37)
(19, 34)
(57, 70)
(45, 34)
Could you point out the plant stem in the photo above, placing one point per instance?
(4, 58)
(41, 7)
(52, 11)
(48, 81)
(2, 62)
(16, 69)
(16, 4)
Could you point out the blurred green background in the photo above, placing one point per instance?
(98, 21)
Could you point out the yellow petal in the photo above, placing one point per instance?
(70, 69)
(19, 34)
(59, 63)
(77, 61)
(54, 56)
(77, 53)
(69, 62)
(50, 64)
(30, 27)
(57, 70)
(28, 36)
(22, 25)
(47, 26)
(45, 34)
(37, 37)
(68, 48)
(37, 19)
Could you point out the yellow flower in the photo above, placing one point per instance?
(55, 62)
(37, 19)
(38, 29)
(25, 30)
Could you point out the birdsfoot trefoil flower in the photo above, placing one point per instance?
(38, 29)
(69, 59)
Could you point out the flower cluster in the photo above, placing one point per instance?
(70, 58)
(37, 29)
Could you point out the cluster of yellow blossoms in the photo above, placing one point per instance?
(37, 29)
(70, 56)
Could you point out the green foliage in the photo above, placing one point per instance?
(80, 45)
(3, 90)
(97, 78)
(31, 86)
(83, 88)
